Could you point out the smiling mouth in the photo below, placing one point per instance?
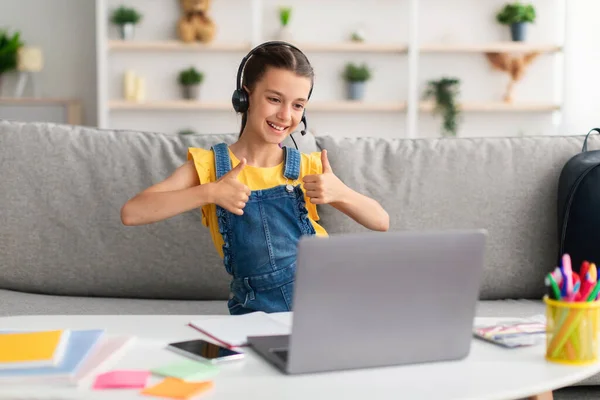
(276, 127)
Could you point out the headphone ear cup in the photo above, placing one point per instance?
(240, 100)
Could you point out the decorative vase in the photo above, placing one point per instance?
(285, 34)
(140, 89)
(356, 90)
(126, 31)
(518, 31)
(190, 92)
(129, 83)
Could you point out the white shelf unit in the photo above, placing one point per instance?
(325, 106)
(174, 45)
(497, 107)
(413, 50)
(59, 110)
(500, 47)
(317, 106)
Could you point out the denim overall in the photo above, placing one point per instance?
(260, 245)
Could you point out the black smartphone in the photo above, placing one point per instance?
(202, 350)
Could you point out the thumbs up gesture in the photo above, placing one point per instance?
(324, 188)
(230, 193)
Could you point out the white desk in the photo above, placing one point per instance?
(489, 373)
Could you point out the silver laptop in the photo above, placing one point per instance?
(380, 299)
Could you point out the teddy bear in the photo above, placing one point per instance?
(195, 24)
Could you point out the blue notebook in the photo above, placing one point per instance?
(81, 343)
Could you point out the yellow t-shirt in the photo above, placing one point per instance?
(255, 178)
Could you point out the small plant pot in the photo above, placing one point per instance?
(190, 92)
(126, 31)
(518, 31)
(356, 90)
(285, 34)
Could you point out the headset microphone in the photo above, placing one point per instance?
(303, 120)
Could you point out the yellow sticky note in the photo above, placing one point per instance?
(38, 348)
(177, 389)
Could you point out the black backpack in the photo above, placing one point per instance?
(579, 207)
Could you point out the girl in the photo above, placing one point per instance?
(258, 198)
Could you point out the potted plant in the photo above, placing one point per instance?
(517, 15)
(356, 76)
(444, 93)
(285, 14)
(190, 80)
(125, 18)
(358, 36)
(9, 52)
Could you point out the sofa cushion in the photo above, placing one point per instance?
(510, 308)
(505, 185)
(17, 303)
(60, 229)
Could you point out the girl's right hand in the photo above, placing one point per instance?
(230, 193)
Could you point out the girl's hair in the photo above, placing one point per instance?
(277, 56)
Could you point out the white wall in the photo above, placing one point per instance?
(473, 21)
(460, 21)
(582, 66)
(64, 29)
(160, 69)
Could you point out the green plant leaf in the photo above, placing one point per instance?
(285, 14)
(516, 12)
(357, 73)
(357, 37)
(444, 93)
(9, 51)
(125, 15)
(190, 76)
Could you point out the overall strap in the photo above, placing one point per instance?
(222, 159)
(292, 163)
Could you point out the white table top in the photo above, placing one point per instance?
(488, 373)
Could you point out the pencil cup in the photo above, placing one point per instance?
(572, 331)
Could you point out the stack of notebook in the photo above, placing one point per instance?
(54, 356)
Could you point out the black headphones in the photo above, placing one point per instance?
(240, 96)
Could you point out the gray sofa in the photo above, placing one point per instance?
(64, 250)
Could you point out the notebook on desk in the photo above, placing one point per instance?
(32, 349)
(233, 331)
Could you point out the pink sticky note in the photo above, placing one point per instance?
(122, 380)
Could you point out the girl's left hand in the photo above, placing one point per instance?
(324, 188)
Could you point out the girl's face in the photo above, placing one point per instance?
(276, 105)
